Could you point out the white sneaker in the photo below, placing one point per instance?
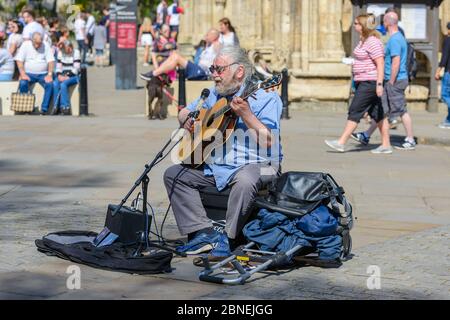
(407, 145)
(382, 150)
(334, 144)
(146, 64)
(206, 248)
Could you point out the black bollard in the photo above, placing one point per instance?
(181, 89)
(284, 94)
(83, 92)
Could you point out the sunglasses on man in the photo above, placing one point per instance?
(220, 69)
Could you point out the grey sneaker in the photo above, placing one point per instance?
(407, 145)
(334, 144)
(444, 125)
(382, 150)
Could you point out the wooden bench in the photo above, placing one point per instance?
(7, 87)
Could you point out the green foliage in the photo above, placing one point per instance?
(12, 11)
(93, 6)
(147, 8)
(19, 6)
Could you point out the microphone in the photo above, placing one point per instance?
(203, 97)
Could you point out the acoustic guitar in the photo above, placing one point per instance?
(195, 147)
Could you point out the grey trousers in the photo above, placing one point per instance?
(183, 183)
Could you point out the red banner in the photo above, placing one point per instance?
(126, 35)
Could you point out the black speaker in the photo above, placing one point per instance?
(126, 223)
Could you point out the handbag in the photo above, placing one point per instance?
(22, 102)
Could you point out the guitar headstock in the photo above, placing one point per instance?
(271, 84)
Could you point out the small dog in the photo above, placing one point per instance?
(155, 91)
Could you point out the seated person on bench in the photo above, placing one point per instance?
(67, 69)
(35, 61)
(241, 166)
(193, 71)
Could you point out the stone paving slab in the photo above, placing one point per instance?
(60, 173)
(414, 266)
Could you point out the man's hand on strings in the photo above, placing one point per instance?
(240, 107)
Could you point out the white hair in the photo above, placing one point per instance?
(37, 35)
(238, 55)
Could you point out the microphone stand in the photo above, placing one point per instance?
(144, 181)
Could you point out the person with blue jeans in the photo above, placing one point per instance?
(81, 36)
(445, 65)
(67, 70)
(35, 61)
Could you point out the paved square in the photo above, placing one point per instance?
(60, 173)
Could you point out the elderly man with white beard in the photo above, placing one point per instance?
(240, 167)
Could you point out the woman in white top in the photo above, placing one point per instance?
(146, 36)
(6, 63)
(15, 37)
(227, 33)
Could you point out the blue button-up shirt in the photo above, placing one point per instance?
(241, 148)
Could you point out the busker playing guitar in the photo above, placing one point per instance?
(242, 166)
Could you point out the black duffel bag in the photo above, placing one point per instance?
(77, 246)
(298, 193)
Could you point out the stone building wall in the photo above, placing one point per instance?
(310, 37)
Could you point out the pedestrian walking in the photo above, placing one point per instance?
(443, 72)
(99, 44)
(145, 38)
(368, 75)
(81, 36)
(396, 82)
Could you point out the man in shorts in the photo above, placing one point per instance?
(193, 71)
(396, 75)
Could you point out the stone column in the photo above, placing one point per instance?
(330, 30)
(444, 15)
(267, 22)
(433, 99)
(248, 20)
(282, 32)
(202, 19)
(186, 22)
(219, 10)
(297, 36)
(305, 34)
